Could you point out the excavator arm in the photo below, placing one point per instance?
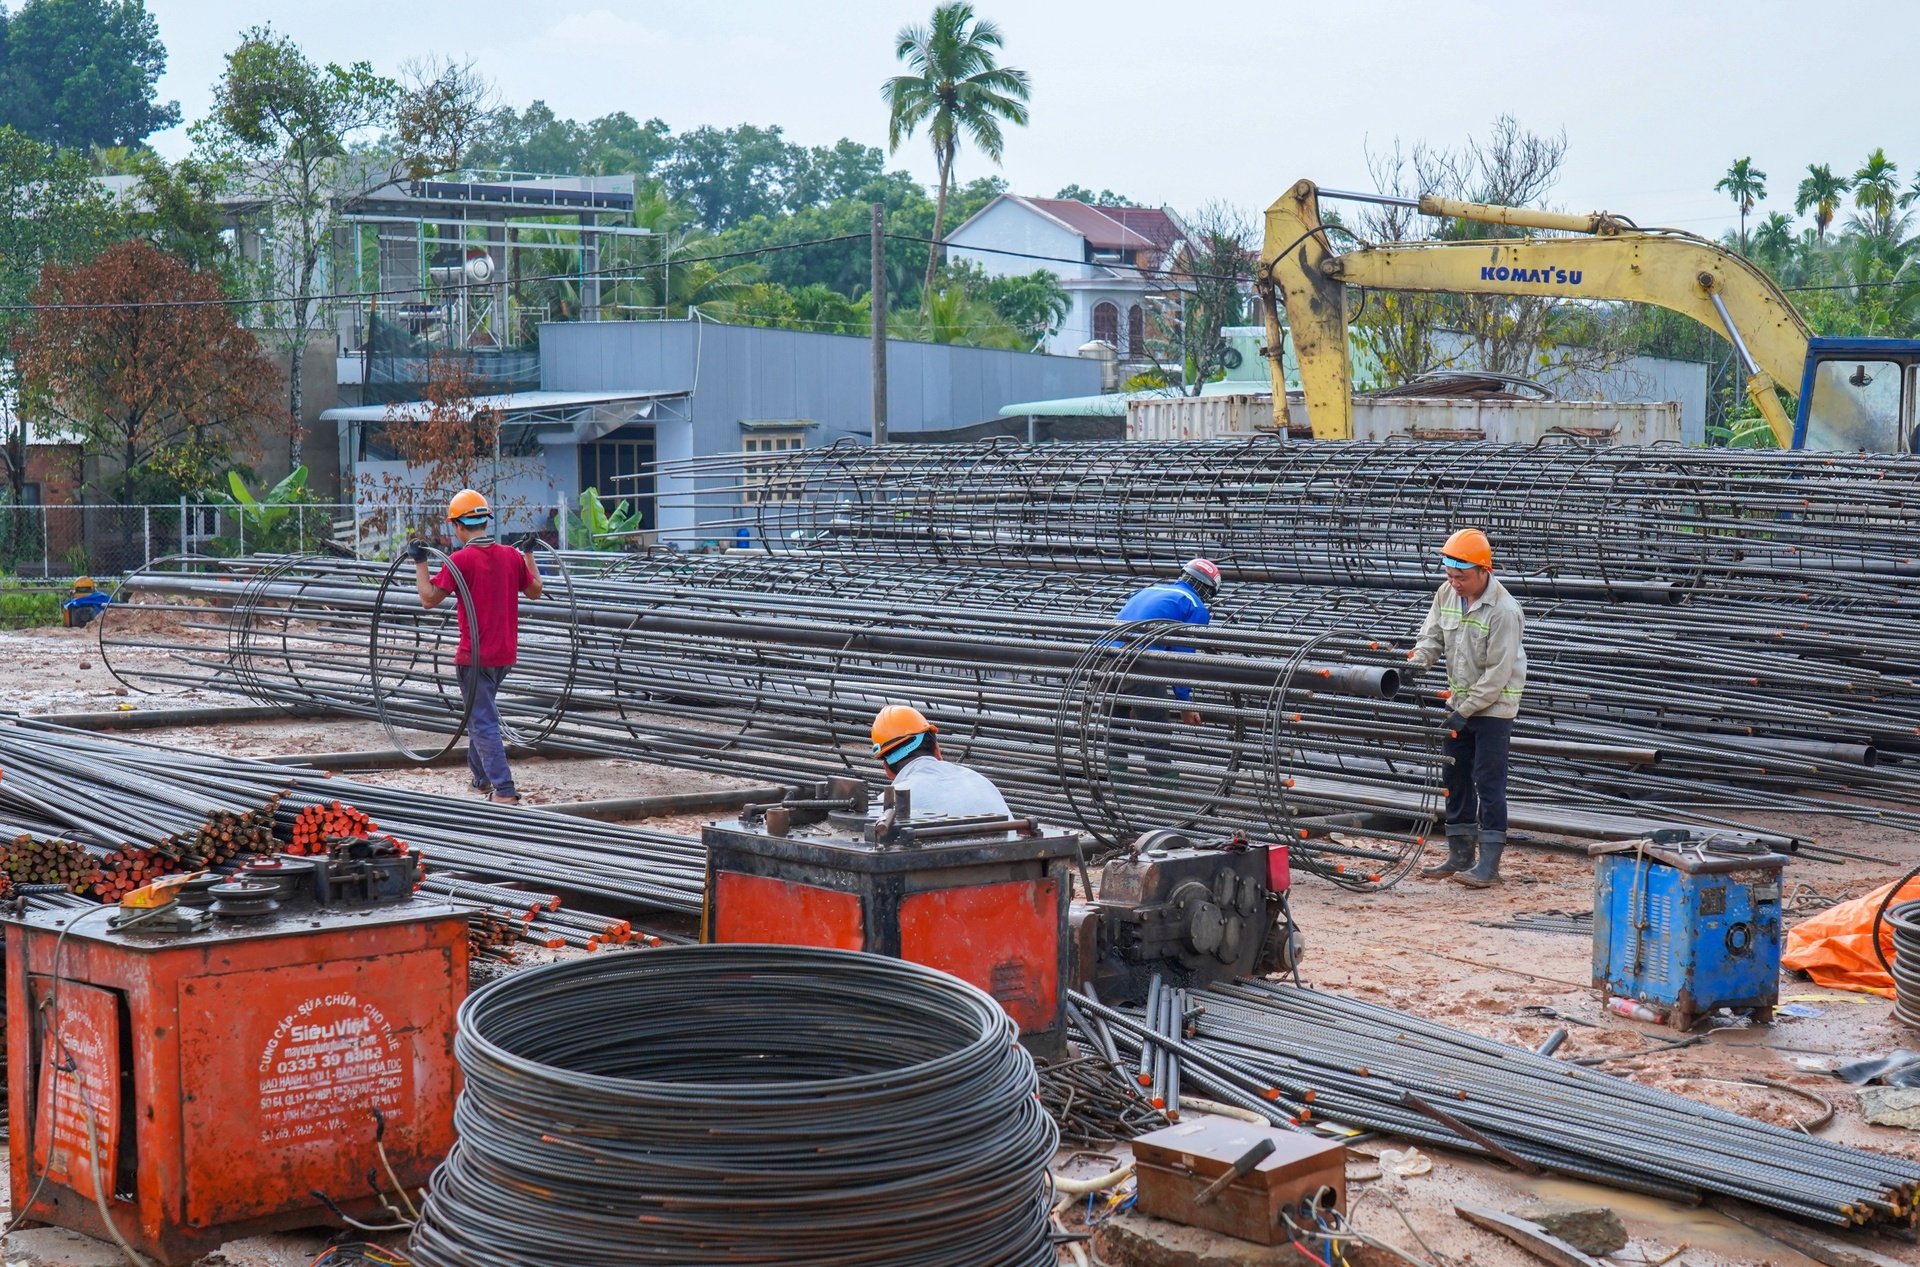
(1301, 272)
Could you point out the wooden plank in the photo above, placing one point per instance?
(1820, 1246)
(1533, 1238)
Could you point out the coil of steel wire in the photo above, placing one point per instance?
(740, 1104)
(1904, 919)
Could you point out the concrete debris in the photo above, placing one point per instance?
(1591, 1229)
(1891, 1106)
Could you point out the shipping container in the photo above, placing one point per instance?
(1514, 420)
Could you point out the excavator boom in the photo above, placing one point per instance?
(1302, 274)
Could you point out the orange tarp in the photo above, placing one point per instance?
(1835, 947)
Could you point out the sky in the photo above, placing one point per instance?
(1181, 104)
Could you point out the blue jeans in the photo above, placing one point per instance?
(1477, 776)
(486, 752)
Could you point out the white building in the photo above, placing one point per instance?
(1110, 261)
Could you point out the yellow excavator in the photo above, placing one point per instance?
(1852, 394)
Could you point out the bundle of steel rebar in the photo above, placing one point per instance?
(1082, 1096)
(510, 844)
(1300, 1056)
(1904, 920)
(1074, 715)
(771, 668)
(730, 1104)
(1620, 521)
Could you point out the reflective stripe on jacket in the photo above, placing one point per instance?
(1483, 645)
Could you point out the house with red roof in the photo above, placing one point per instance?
(1111, 261)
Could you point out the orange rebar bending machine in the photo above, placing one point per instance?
(230, 1070)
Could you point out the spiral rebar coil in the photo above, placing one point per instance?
(1904, 919)
(740, 1104)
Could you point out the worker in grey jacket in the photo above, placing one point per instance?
(1476, 624)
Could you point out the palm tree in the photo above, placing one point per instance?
(955, 87)
(1773, 240)
(1746, 185)
(1820, 190)
(1876, 187)
(1912, 195)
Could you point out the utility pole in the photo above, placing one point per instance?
(878, 237)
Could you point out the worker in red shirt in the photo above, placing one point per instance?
(495, 576)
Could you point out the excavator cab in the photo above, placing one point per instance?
(1859, 396)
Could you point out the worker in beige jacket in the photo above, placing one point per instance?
(1476, 624)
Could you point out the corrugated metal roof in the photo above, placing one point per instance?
(513, 407)
(1114, 404)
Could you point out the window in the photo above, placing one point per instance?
(1106, 323)
(1136, 333)
(625, 451)
(760, 488)
(1856, 407)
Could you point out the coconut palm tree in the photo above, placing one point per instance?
(1773, 241)
(1821, 191)
(1876, 189)
(1746, 185)
(956, 86)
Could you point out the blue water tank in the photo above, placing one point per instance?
(1686, 929)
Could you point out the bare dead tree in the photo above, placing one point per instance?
(1502, 334)
(1209, 287)
(442, 108)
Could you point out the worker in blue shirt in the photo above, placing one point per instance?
(1183, 599)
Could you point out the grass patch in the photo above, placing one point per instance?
(28, 607)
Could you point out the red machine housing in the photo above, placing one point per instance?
(986, 904)
(212, 1081)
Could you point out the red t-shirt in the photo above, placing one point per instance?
(496, 576)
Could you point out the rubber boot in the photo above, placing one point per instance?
(1459, 857)
(1486, 872)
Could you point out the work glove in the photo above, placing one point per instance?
(526, 541)
(1455, 722)
(417, 551)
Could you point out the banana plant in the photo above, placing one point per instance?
(268, 521)
(600, 527)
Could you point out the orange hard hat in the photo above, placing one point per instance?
(466, 502)
(1468, 547)
(896, 724)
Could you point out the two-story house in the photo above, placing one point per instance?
(1111, 261)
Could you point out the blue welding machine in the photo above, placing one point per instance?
(1683, 928)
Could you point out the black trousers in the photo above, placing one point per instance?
(1477, 775)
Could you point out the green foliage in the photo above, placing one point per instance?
(28, 607)
(597, 525)
(81, 73)
(269, 522)
(953, 314)
(1746, 185)
(1105, 198)
(1743, 430)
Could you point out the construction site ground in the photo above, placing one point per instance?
(1422, 946)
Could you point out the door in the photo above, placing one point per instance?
(626, 452)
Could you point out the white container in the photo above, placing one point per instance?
(1198, 417)
(1516, 421)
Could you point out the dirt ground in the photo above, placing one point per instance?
(1421, 946)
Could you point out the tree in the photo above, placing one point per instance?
(281, 126)
(726, 175)
(1507, 334)
(1773, 240)
(52, 211)
(1105, 198)
(1876, 188)
(956, 86)
(442, 109)
(453, 443)
(1746, 185)
(1820, 191)
(1211, 280)
(81, 73)
(149, 368)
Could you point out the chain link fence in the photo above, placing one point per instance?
(99, 540)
